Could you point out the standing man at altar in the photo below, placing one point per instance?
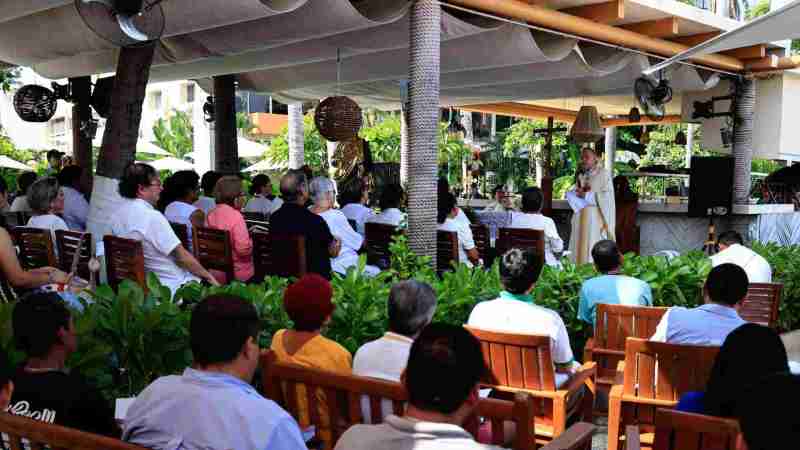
(592, 202)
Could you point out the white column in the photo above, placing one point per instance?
(296, 149)
(330, 147)
(690, 130)
(611, 148)
(423, 123)
(404, 153)
(743, 140)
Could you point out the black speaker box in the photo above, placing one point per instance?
(101, 96)
(711, 186)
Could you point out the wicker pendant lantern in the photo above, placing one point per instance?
(34, 103)
(587, 128)
(338, 118)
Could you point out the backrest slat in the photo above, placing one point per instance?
(32, 434)
(124, 261)
(522, 238)
(36, 247)
(676, 430)
(446, 250)
(378, 237)
(214, 250)
(762, 304)
(290, 251)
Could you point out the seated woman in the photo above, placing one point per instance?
(308, 302)
(353, 203)
(390, 202)
(467, 252)
(24, 183)
(177, 200)
(322, 193)
(226, 216)
(531, 218)
(46, 200)
(263, 201)
(19, 278)
(750, 353)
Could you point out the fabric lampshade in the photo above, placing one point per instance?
(587, 128)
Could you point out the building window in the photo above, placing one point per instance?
(190, 93)
(58, 127)
(155, 100)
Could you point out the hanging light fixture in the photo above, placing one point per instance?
(645, 139)
(455, 128)
(680, 138)
(587, 128)
(634, 115)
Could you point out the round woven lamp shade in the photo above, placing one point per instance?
(35, 103)
(587, 128)
(338, 118)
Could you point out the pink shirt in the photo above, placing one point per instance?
(224, 217)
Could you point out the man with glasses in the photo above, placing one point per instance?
(138, 219)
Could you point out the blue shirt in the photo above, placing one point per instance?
(612, 290)
(208, 410)
(709, 325)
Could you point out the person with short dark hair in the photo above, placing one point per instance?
(206, 202)
(227, 216)
(136, 218)
(55, 159)
(390, 202)
(354, 206)
(24, 183)
(467, 251)
(177, 201)
(263, 201)
(44, 388)
(445, 366)
(309, 304)
(732, 250)
(611, 286)
(515, 311)
(767, 416)
(212, 404)
(46, 200)
(531, 218)
(294, 218)
(711, 323)
(76, 208)
(501, 202)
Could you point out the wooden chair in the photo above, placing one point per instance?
(762, 304)
(523, 363)
(676, 430)
(70, 242)
(28, 433)
(124, 261)
(262, 253)
(214, 251)
(35, 247)
(254, 216)
(182, 231)
(378, 237)
(654, 374)
(343, 394)
(615, 324)
(446, 250)
(483, 242)
(290, 251)
(522, 238)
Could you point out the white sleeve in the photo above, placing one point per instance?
(562, 351)
(661, 330)
(556, 243)
(590, 200)
(465, 237)
(161, 235)
(286, 436)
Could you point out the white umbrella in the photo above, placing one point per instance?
(250, 149)
(170, 163)
(265, 165)
(9, 163)
(141, 146)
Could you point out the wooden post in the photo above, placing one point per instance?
(81, 115)
(547, 179)
(226, 151)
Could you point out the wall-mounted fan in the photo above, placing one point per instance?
(652, 97)
(123, 22)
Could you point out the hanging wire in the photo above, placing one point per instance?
(338, 71)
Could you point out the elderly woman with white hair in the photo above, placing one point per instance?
(323, 194)
(46, 199)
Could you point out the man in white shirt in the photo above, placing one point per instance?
(207, 202)
(515, 312)
(410, 308)
(390, 201)
(354, 201)
(709, 324)
(445, 366)
(467, 252)
(531, 218)
(76, 208)
(501, 202)
(732, 250)
(138, 219)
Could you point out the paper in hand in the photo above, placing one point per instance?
(575, 202)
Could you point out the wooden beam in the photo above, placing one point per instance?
(609, 12)
(694, 39)
(528, 111)
(624, 122)
(773, 63)
(660, 28)
(585, 28)
(752, 52)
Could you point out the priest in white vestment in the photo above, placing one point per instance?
(592, 201)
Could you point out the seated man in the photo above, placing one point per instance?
(444, 368)
(732, 250)
(515, 312)
(212, 404)
(410, 308)
(611, 287)
(501, 202)
(531, 218)
(137, 218)
(294, 218)
(44, 388)
(467, 251)
(711, 323)
(390, 202)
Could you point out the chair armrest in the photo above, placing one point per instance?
(585, 375)
(576, 437)
(632, 438)
(588, 349)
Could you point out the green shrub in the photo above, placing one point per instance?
(786, 270)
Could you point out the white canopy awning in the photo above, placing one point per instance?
(250, 149)
(778, 25)
(9, 163)
(266, 166)
(170, 163)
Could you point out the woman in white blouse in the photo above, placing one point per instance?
(531, 218)
(263, 201)
(322, 193)
(179, 195)
(46, 200)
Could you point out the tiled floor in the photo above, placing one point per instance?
(600, 439)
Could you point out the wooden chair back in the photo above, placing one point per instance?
(290, 251)
(677, 430)
(35, 247)
(483, 242)
(214, 251)
(182, 231)
(15, 219)
(23, 432)
(613, 326)
(262, 253)
(378, 237)
(254, 216)
(342, 395)
(446, 250)
(522, 238)
(124, 261)
(71, 242)
(762, 304)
